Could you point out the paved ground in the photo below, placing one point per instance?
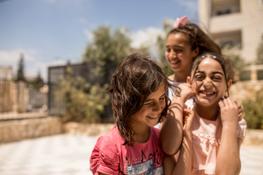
(69, 155)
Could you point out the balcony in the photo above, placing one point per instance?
(225, 7)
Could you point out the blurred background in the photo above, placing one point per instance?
(57, 57)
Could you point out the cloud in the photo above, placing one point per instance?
(32, 60)
(145, 37)
(89, 35)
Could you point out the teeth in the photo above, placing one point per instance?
(207, 93)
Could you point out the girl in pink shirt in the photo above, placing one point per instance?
(139, 100)
(217, 128)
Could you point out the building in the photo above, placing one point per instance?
(13, 95)
(58, 73)
(7, 90)
(236, 24)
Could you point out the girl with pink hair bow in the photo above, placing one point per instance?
(184, 43)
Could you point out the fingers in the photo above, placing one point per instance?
(188, 118)
(227, 101)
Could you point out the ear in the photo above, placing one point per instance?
(188, 80)
(195, 52)
(229, 83)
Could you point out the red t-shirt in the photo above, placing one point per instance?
(111, 156)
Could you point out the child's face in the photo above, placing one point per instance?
(152, 108)
(208, 82)
(179, 53)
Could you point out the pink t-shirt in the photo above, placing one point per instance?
(206, 136)
(111, 156)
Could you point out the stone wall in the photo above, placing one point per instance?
(14, 130)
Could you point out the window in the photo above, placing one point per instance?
(245, 75)
(260, 74)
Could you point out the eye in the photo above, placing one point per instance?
(149, 103)
(168, 49)
(178, 50)
(162, 99)
(199, 77)
(217, 77)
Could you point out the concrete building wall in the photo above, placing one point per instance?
(241, 16)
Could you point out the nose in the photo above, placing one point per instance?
(207, 83)
(172, 53)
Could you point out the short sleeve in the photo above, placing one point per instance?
(104, 157)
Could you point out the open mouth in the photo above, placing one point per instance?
(175, 63)
(205, 94)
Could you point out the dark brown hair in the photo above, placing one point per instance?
(132, 82)
(197, 38)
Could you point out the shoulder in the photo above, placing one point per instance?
(110, 140)
(105, 155)
(171, 77)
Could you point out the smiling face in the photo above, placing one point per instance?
(209, 83)
(150, 113)
(179, 55)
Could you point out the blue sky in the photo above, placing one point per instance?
(50, 32)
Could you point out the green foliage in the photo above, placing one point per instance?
(20, 70)
(83, 102)
(254, 111)
(106, 51)
(37, 82)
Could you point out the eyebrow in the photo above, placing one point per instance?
(147, 100)
(174, 46)
(215, 72)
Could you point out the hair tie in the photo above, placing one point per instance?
(180, 22)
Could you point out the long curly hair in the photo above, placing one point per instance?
(197, 38)
(132, 82)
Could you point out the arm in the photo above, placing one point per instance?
(228, 158)
(184, 163)
(172, 128)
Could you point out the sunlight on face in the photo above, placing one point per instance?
(152, 108)
(208, 81)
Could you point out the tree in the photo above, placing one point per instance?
(106, 51)
(82, 102)
(254, 111)
(20, 70)
(37, 82)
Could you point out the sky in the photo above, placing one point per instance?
(51, 32)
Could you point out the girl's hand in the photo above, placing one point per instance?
(241, 112)
(229, 111)
(188, 116)
(183, 91)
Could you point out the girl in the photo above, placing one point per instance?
(139, 100)
(217, 130)
(183, 43)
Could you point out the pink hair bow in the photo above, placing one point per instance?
(182, 21)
